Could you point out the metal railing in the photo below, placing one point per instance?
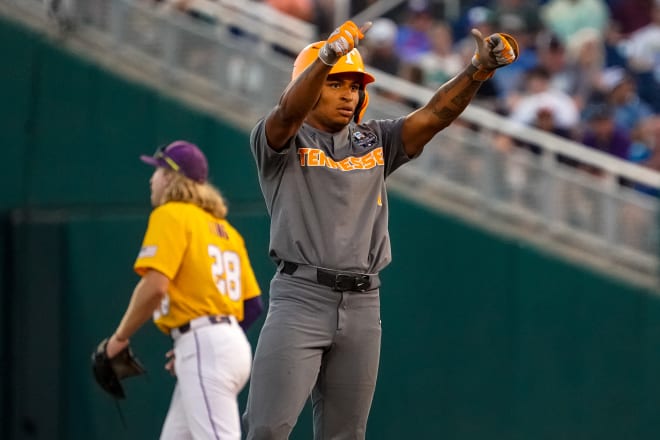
(612, 214)
(245, 63)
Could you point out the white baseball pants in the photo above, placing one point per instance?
(212, 364)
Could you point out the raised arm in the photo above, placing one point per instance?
(297, 100)
(303, 91)
(453, 97)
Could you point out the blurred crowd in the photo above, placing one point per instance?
(589, 70)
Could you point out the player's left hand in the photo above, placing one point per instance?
(493, 52)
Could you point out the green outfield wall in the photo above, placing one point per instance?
(483, 337)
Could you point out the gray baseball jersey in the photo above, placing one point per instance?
(326, 195)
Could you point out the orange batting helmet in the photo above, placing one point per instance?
(351, 62)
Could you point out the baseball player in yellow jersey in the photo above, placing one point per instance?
(198, 284)
(322, 172)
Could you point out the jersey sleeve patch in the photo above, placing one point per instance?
(148, 251)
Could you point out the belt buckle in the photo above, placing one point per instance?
(358, 283)
(343, 282)
(362, 283)
(220, 319)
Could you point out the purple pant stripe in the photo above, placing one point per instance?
(201, 384)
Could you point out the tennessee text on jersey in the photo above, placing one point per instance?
(313, 157)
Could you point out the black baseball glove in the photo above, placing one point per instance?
(109, 372)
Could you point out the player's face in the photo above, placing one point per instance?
(336, 106)
(159, 180)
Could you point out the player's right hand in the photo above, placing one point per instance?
(115, 345)
(341, 41)
(169, 366)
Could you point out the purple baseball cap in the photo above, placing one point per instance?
(183, 157)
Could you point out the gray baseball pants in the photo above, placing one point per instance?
(320, 342)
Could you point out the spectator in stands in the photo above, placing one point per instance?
(631, 14)
(442, 62)
(566, 17)
(643, 57)
(379, 49)
(540, 95)
(545, 108)
(621, 95)
(551, 55)
(476, 16)
(602, 133)
(518, 16)
(585, 60)
(644, 150)
(520, 19)
(614, 42)
(379, 46)
(645, 142)
(547, 119)
(413, 38)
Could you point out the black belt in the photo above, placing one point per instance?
(338, 281)
(216, 319)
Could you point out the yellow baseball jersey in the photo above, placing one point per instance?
(205, 260)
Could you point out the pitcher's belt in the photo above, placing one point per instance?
(336, 280)
(200, 322)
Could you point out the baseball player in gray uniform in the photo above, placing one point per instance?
(322, 173)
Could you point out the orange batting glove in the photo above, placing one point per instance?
(340, 42)
(492, 52)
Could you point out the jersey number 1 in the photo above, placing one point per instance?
(226, 272)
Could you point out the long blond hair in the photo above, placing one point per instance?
(204, 195)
